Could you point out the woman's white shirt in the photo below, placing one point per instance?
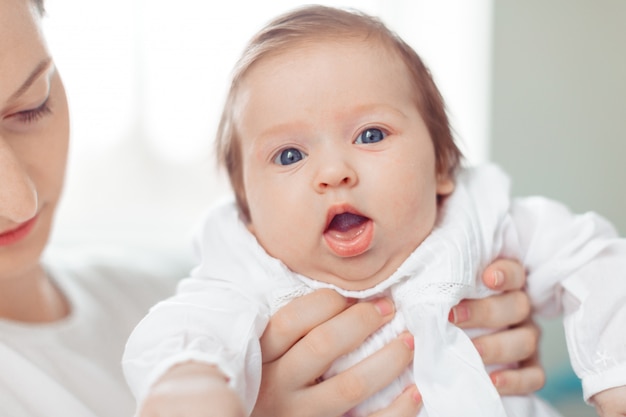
(72, 368)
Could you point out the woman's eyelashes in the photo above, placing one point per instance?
(289, 156)
(370, 135)
(33, 115)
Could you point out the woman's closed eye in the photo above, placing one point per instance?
(370, 135)
(289, 156)
(32, 115)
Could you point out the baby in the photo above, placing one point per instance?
(346, 176)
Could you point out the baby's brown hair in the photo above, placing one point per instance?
(318, 23)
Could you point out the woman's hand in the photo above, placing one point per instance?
(518, 343)
(307, 335)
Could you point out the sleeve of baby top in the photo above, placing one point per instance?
(205, 323)
(217, 316)
(577, 266)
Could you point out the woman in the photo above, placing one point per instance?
(64, 321)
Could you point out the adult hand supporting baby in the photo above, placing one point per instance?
(306, 336)
(518, 340)
(309, 333)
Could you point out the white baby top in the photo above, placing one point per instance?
(71, 368)
(575, 265)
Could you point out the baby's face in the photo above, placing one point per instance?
(338, 165)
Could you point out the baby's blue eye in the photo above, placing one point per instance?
(371, 135)
(289, 156)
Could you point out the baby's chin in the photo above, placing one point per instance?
(353, 274)
(369, 269)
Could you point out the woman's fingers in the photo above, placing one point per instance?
(509, 346)
(497, 311)
(297, 318)
(502, 310)
(407, 404)
(314, 353)
(505, 275)
(337, 395)
(345, 390)
(519, 345)
(306, 336)
(527, 379)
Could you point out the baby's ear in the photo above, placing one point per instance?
(445, 185)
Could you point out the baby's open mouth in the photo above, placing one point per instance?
(346, 224)
(349, 234)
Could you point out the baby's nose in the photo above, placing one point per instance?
(335, 172)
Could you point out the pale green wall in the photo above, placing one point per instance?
(559, 117)
(559, 101)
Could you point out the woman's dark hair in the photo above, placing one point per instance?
(39, 5)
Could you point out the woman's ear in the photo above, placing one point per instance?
(445, 185)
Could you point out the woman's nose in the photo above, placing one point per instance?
(335, 171)
(18, 196)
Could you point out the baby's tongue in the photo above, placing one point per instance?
(346, 226)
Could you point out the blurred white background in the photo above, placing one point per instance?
(146, 81)
(539, 87)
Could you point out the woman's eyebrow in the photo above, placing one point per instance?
(39, 69)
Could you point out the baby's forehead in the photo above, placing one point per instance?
(301, 46)
(292, 56)
(290, 51)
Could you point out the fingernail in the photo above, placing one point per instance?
(459, 314)
(498, 278)
(415, 395)
(497, 380)
(408, 340)
(384, 306)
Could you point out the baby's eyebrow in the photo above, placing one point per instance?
(39, 69)
(375, 109)
(282, 128)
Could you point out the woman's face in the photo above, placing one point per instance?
(34, 135)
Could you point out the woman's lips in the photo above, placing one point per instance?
(15, 235)
(349, 234)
